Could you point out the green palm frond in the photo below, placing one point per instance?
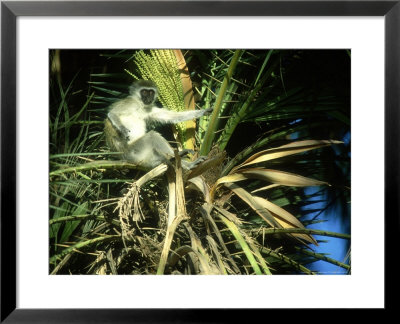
(163, 68)
(277, 128)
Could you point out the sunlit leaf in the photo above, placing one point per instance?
(280, 177)
(200, 185)
(256, 203)
(285, 150)
(271, 213)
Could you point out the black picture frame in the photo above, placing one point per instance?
(10, 10)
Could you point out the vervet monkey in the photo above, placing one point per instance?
(128, 122)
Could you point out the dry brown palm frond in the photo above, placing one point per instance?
(129, 205)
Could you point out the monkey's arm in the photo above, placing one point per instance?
(116, 123)
(163, 115)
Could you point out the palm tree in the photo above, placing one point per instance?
(245, 210)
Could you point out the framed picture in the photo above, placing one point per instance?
(287, 74)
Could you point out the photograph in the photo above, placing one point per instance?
(199, 161)
(193, 161)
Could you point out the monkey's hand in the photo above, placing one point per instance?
(195, 163)
(124, 132)
(208, 111)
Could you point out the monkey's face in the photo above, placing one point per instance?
(147, 96)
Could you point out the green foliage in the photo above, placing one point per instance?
(280, 122)
(161, 67)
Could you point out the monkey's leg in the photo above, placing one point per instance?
(150, 150)
(164, 151)
(190, 165)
